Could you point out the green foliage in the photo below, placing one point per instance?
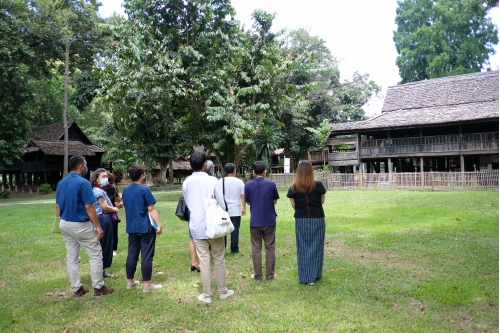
(261, 91)
(266, 142)
(45, 188)
(4, 194)
(150, 80)
(33, 35)
(28, 43)
(329, 100)
(322, 133)
(442, 38)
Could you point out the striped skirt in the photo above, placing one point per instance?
(310, 239)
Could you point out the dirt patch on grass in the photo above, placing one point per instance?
(335, 248)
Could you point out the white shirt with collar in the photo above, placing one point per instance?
(196, 188)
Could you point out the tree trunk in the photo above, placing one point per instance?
(171, 173)
(163, 173)
(65, 109)
(240, 153)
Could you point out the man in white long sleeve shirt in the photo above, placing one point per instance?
(196, 189)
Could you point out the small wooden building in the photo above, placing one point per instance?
(43, 157)
(444, 124)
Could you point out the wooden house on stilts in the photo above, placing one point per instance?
(42, 161)
(448, 124)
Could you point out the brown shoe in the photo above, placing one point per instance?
(81, 291)
(103, 291)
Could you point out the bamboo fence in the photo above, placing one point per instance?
(444, 181)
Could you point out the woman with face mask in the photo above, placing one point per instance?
(104, 209)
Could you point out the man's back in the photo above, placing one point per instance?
(196, 188)
(233, 189)
(72, 194)
(260, 193)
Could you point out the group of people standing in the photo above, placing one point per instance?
(85, 210)
(85, 214)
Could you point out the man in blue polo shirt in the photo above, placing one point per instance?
(261, 194)
(80, 227)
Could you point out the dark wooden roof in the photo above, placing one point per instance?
(55, 132)
(451, 90)
(453, 99)
(57, 148)
(181, 165)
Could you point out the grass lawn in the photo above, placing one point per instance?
(394, 262)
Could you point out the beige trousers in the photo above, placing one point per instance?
(76, 235)
(218, 251)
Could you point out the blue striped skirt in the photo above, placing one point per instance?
(310, 240)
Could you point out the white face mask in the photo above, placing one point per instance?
(104, 181)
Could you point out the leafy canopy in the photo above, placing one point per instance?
(443, 37)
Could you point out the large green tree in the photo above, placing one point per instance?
(35, 36)
(28, 45)
(167, 59)
(329, 101)
(443, 37)
(261, 90)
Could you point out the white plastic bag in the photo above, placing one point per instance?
(218, 222)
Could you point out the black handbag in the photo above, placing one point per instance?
(182, 210)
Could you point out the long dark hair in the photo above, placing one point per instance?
(304, 178)
(95, 175)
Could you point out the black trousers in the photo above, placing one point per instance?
(235, 235)
(145, 245)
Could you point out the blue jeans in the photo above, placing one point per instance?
(145, 244)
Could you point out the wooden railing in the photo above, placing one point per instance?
(317, 156)
(446, 181)
(430, 144)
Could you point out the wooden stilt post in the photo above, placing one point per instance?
(422, 182)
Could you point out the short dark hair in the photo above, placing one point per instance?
(259, 167)
(111, 178)
(229, 168)
(197, 160)
(95, 175)
(75, 161)
(135, 171)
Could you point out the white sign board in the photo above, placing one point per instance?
(286, 168)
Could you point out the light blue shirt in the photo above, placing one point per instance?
(98, 192)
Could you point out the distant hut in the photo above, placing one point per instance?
(42, 161)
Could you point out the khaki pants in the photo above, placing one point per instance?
(266, 234)
(76, 235)
(203, 253)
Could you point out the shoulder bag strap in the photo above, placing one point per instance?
(224, 192)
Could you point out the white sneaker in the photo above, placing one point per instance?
(130, 286)
(205, 299)
(152, 287)
(228, 294)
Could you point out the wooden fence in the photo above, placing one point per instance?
(446, 181)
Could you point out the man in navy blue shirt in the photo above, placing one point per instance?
(80, 227)
(261, 194)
